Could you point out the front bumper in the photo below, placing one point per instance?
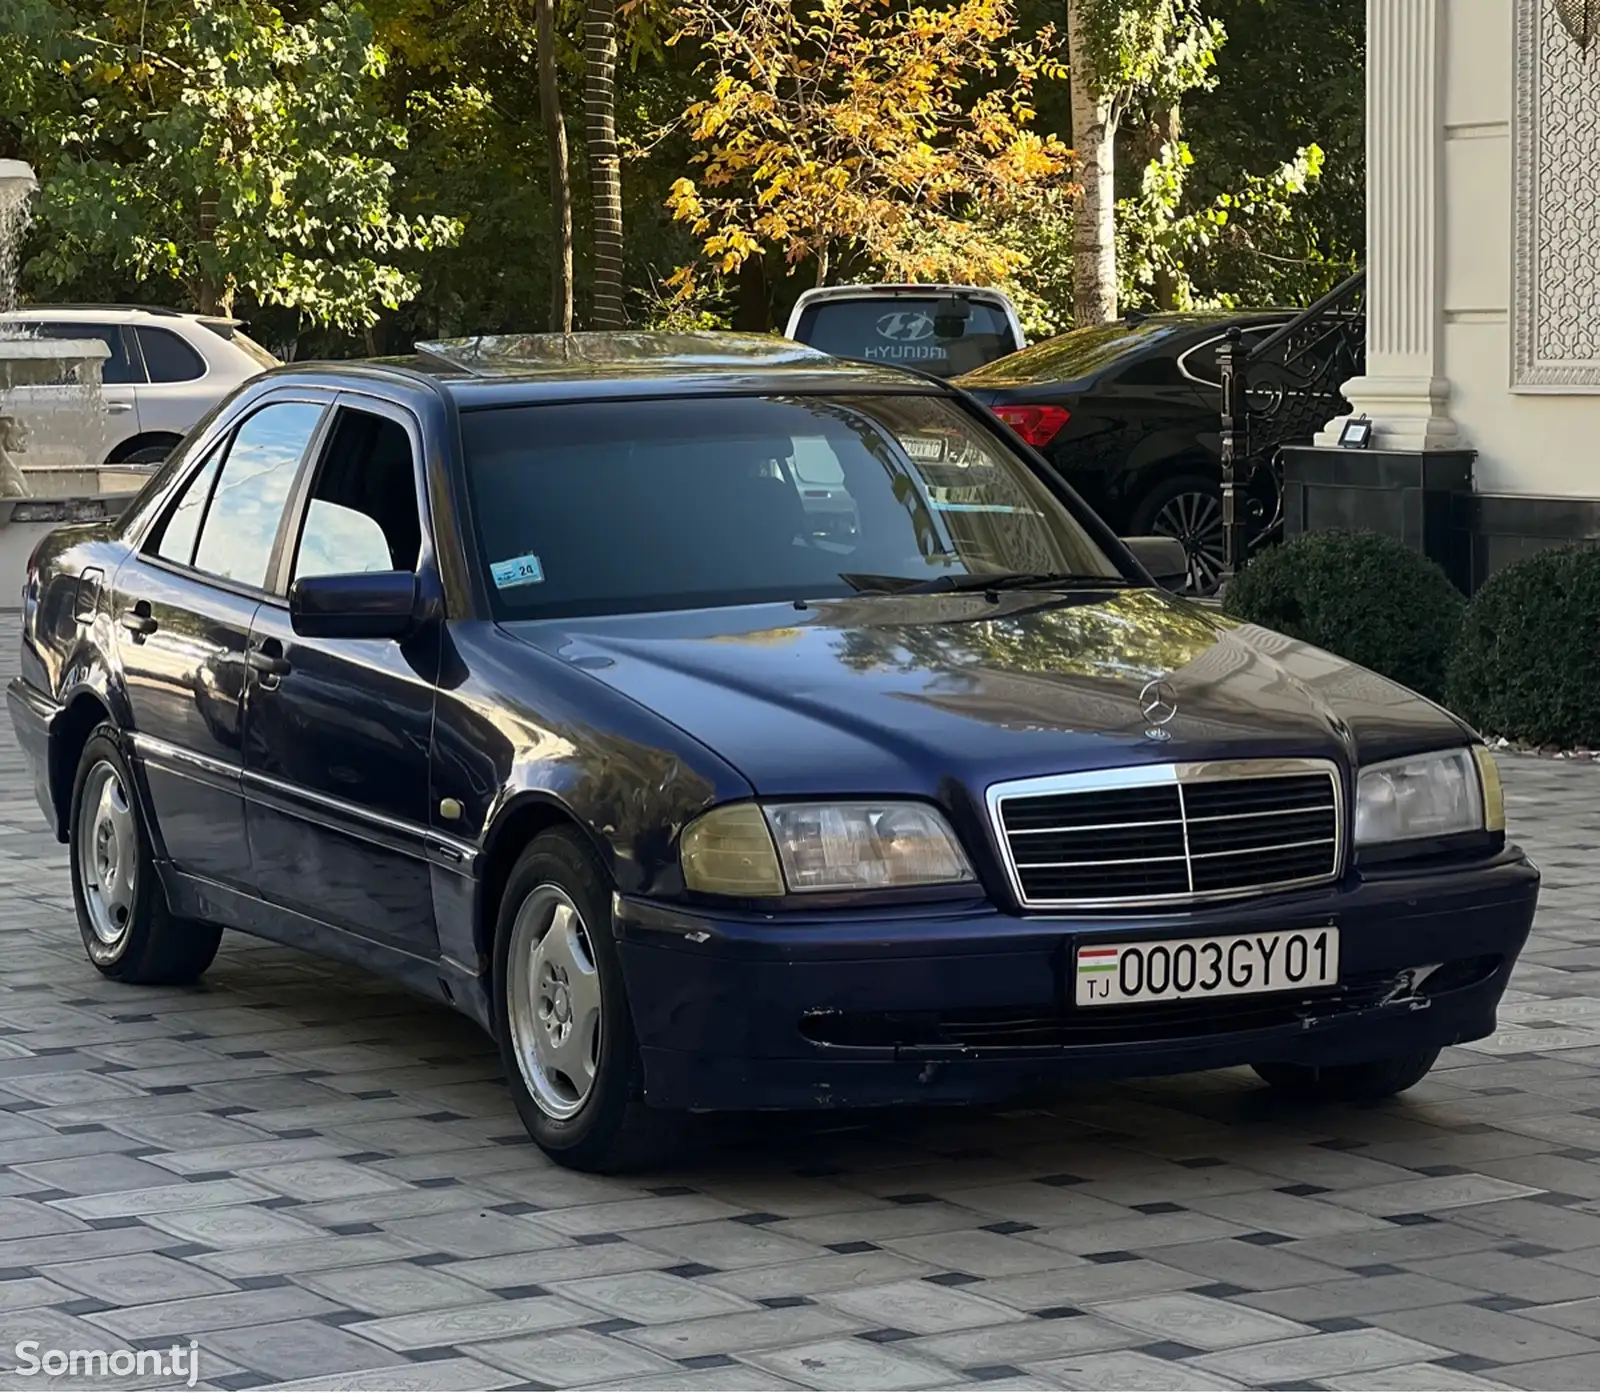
(942, 1005)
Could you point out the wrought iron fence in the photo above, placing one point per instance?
(1282, 391)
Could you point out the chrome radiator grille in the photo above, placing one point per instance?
(1168, 833)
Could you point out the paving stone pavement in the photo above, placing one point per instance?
(320, 1179)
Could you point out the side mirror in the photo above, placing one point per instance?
(1163, 557)
(371, 604)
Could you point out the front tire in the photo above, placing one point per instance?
(564, 1025)
(1369, 1082)
(128, 931)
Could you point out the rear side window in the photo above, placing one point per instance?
(252, 490)
(908, 331)
(183, 523)
(121, 368)
(168, 358)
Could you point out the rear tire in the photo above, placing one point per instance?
(149, 454)
(563, 1021)
(128, 931)
(1369, 1082)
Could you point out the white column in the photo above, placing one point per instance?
(1404, 390)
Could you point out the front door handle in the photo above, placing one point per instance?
(268, 659)
(139, 622)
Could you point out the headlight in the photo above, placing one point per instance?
(1432, 795)
(729, 852)
(1494, 798)
(747, 849)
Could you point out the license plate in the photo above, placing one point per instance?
(1119, 974)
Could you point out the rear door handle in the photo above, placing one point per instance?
(139, 622)
(117, 408)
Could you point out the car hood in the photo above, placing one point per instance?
(906, 693)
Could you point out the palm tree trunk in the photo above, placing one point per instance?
(1094, 223)
(555, 140)
(211, 290)
(605, 169)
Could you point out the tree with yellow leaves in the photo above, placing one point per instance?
(894, 136)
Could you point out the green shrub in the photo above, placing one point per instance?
(1366, 597)
(1528, 664)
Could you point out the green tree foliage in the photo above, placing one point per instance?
(1293, 77)
(1168, 243)
(224, 145)
(1126, 55)
(357, 174)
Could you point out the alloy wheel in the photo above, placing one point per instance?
(1195, 519)
(108, 854)
(553, 1002)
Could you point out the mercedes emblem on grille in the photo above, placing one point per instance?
(1159, 703)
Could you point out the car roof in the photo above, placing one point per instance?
(923, 290)
(507, 369)
(104, 312)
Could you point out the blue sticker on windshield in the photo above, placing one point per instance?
(519, 570)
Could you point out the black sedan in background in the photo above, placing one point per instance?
(522, 674)
(1129, 412)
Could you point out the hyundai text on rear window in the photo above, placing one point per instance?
(906, 331)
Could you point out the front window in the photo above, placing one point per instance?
(647, 505)
(939, 335)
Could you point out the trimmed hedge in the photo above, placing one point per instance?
(1528, 663)
(1364, 596)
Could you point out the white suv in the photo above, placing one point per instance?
(165, 370)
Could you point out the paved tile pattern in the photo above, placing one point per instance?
(320, 1179)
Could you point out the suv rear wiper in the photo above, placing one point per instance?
(992, 580)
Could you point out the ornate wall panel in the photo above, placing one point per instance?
(1555, 334)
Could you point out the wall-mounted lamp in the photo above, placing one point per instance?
(1356, 433)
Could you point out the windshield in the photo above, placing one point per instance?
(646, 505)
(915, 331)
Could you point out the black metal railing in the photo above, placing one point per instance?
(1282, 391)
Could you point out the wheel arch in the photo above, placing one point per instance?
(525, 816)
(144, 440)
(85, 711)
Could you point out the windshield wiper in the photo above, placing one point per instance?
(866, 584)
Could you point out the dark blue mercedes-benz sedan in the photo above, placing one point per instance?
(723, 726)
